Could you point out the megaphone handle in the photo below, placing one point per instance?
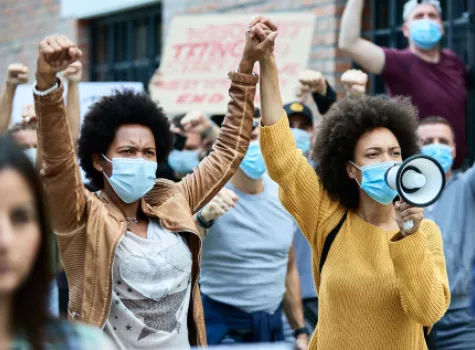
(408, 225)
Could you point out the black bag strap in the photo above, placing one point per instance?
(329, 240)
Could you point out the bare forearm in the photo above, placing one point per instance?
(73, 110)
(293, 307)
(350, 30)
(6, 106)
(271, 101)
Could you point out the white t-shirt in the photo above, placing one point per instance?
(151, 291)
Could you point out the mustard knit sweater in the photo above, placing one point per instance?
(376, 291)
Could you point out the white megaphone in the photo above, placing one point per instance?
(419, 181)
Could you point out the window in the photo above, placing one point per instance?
(458, 15)
(126, 46)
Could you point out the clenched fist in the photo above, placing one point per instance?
(355, 82)
(17, 74)
(196, 122)
(406, 213)
(219, 205)
(314, 81)
(55, 54)
(74, 72)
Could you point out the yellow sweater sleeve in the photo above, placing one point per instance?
(419, 265)
(300, 190)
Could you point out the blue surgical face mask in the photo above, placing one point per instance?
(31, 154)
(302, 139)
(132, 178)
(183, 162)
(374, 182)
(253, 163)
(425, 33)
(441, 153)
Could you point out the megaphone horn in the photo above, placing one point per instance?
(419, 181)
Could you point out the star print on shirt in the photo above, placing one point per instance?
(157, 315)
(128, 327)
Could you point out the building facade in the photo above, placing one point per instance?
(122, 39)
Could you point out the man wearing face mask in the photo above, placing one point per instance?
(454, 213)
(435, 79)
(248, 272)
(193, 129)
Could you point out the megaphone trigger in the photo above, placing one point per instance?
(408, 225)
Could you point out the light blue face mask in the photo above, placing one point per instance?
(302, 139)
(253, 163)
(183, 162)
(374, 182)
(425, 33)
(441, 153)
(132, 178)
(31, 154)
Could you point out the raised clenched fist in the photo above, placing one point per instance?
(314, 81)
(355, 82)
(219, 205)
(55, 54)
(74, 72)
(17, 74)
(196, 122)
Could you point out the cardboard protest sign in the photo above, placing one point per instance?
(201, 50)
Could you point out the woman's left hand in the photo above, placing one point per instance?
(406, 212)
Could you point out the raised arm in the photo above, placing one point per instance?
(73, 74)
(230, 147)
(370, 56)
(60, 172)
(301, 191)
(17, 74)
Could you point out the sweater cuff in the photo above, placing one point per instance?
(408, 251)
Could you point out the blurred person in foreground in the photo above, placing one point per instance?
(454, 213)
(131, 251)
(436, 80)
(25, 259)
(249, 273)
(384, 284)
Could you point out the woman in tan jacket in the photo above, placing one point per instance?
(131, 251)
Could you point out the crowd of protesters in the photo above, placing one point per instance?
(142, 230)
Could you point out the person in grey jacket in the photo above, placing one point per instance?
(454, 213)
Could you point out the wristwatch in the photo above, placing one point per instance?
(300, 331)
(204, 224)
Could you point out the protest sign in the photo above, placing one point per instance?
(89, 92)
(201, 50)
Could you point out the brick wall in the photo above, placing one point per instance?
(324, 57)
(23, 23)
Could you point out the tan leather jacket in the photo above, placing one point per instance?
(89, 226)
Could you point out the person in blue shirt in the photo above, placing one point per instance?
(454, 212)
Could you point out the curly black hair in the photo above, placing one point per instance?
(111, 112)
(343, 126)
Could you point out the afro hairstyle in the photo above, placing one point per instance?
(343, 126)
(107, 115)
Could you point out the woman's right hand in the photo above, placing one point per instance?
(56, 53)
(219, 205)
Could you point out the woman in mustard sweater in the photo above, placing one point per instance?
(381, 284)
